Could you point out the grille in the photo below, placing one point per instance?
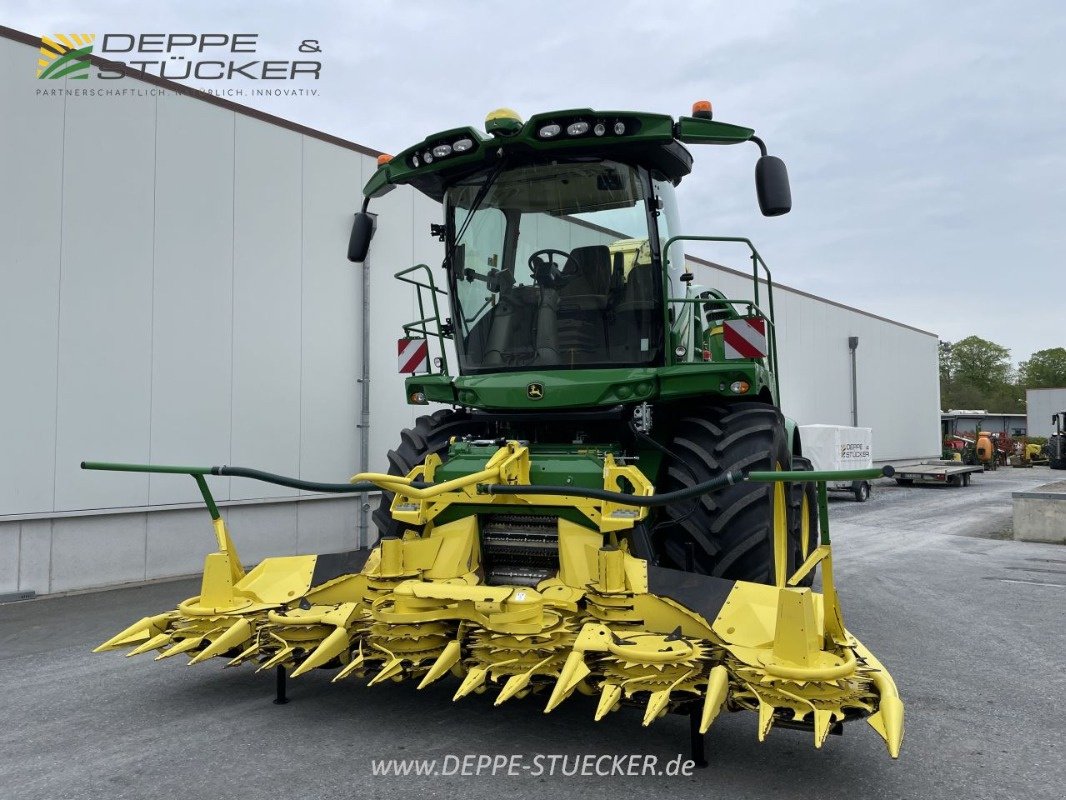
(519, 550)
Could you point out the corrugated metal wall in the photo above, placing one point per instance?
(1040, 404)
(897, 366)
(175, 290)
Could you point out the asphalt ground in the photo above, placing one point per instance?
(970, 623)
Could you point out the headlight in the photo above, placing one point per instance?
(549, 131)
(619, 128)
(577, 128)
(463, 145)
(599, 129)
(442, 150)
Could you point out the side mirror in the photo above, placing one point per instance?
(362, 232)
(771, 185)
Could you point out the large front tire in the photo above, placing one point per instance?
(728, 533)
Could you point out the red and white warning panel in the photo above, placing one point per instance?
(744, 337)
(413, 354)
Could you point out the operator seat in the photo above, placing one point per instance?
(640, 287)
(583, 296)
(635, 317)
(587, 272)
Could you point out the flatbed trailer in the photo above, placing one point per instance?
(951, 473)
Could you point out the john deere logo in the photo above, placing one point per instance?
(535, 391)
(65, 55)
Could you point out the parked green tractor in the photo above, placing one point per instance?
(1056, 443)
(610, 504)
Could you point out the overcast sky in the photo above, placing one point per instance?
(925, 140)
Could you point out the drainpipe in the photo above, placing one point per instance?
(364, 411)
(853, 345)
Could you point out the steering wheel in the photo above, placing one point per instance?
(545, 270)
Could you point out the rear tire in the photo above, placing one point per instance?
(862, 492)
(430, 434)
(1056, 452)
(730, 532)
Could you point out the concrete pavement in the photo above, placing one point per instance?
(971, 625)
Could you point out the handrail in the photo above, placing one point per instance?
(751, 306)
(756, 262)
(423, 319)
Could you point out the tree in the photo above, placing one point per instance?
(976, 373)
(1045, 369)
(945, 363)
(980, 363)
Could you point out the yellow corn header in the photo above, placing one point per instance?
(605, 624)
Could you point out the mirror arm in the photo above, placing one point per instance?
(366, 200)
(760, 142)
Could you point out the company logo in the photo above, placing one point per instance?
(855, 450)
(535, 391)
(65, 55)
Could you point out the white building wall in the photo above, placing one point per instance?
(1040, 404)
(174, 289)
(897, 368)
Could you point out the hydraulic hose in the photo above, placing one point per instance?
(310, 486)
(726, 479)
(641, 436)
(242, 472)
(295, 483)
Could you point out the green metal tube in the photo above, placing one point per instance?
(197, 474)
(755, 273)
(164, 470)
(209, 500)
(823, 511)
(242, 472)
(826, 475)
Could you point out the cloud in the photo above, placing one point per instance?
(923, 139)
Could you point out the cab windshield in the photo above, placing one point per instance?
(553, 268)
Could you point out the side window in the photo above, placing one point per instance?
(670, 225)
(535, 233)
(483, 251)
(483, 239)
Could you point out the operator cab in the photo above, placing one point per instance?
(557, 265)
